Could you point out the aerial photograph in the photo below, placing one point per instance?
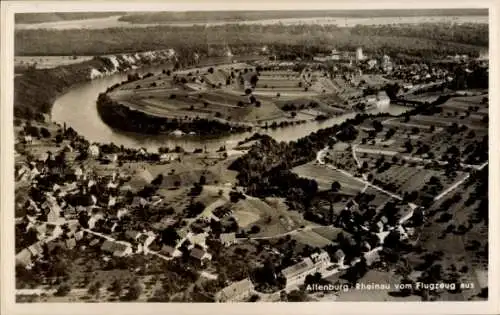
(251, 156)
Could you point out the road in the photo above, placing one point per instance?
(460, 182)
(303, 229)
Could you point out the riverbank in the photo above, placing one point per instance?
(36, 90)
(123, 118)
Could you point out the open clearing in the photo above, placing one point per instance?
(326, 176)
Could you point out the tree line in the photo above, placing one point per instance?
(412, 40)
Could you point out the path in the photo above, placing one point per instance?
(303, 229)
(355, 157)
(460, 182)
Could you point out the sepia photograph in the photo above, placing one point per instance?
(249, 155)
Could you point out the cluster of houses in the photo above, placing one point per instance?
(415, 74)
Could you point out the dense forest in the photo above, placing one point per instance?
(204, 16)
(430, 40)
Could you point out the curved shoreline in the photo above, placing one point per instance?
(141, 122)
(37, 90)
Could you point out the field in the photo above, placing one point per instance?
(326, 176)
(46, 62)
(271, 216)
(223, 93)
(311, 238)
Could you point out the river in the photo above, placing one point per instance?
(77, 108)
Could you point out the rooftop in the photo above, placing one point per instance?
(298, 268)
(237, 288)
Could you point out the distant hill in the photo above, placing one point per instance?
(32, 18)
(210, 16)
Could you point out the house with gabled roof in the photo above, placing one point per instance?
(197, 239)
(228, 239)
(36, 249)
(70, 243)
(200, 255)
(132, 235)
(24, 258)
(118, 249)
(236, 292)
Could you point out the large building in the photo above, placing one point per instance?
(296, 275)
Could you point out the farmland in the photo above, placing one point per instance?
(325, 178)
(237, 94)
(46, 62)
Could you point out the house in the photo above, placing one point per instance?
(372, 63)
(295, 275)
(24, 258)
(78, 172)
(112, 185)
(112, 201)
(70, 243)
(28, 139)
(94, 219)
(141, 152)
(78, 235)
(53, 231)
(121, 213)
(70, 212)
(132, 235)
(382, 99)
(372, 257)
(139, 202)
(340, 256)
(94, 150)
(94, 242)
(118, 249)
(167, 157)
(146, 238)
(380, 226)
(52, 210)
(236, 292)
(197, 239)
(23, 173)
(228, 239)
(70, 188)
(384, 220)
(41, 230)
(200, 255)
(139, 248)
(402, 232)
(36, 249)
(72, 226)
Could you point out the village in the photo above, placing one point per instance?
(358, 201)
